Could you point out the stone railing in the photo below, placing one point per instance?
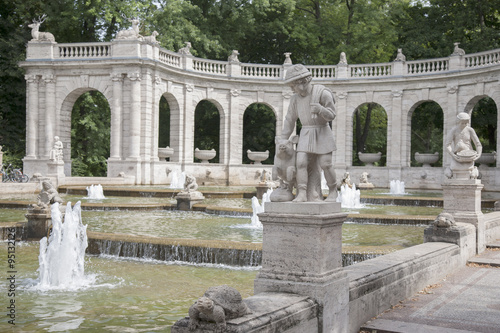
(427, 66)
(482, 59)
(170, 58)
(206, 66)
(261, 71)
(371, 70)
(143, 50)
(83, 50)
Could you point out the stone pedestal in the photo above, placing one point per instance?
(462, 199)
(261, 189)
(39, 221)
(302, 254)
(55, 169)
(186, 200)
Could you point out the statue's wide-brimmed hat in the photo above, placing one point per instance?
(463, 116)
(296, 72)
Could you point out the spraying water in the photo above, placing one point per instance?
(397, 187)
(95, 192)
(62, 255)
(349, 197)
(259, 208)
(178, 180)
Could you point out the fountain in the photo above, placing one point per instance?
(177, 181)
(258, 208)
(95, 192)
(62, 254)
(397, 187)
(349, 197)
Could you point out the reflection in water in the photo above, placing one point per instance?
(57, 314)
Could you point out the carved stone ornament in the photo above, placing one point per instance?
(218, 304)
(287, 94)
(37, 35)
(397, 93)
(157, 79)
(288, 60)
(342, 94)
(186, 49)
(457, 51)
(452, 90)
(233, 58)
(136, 76)
(189, 87)
(235, 92)
(400, 56)
(116, 77)
(132, 33)
(343, 59)
(444, 220)
(151, 39)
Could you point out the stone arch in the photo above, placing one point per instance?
(424, 107)
(483, 123)
(250, 119)
(63, 128)
(174, 130)
(218, 140)
(383, 117)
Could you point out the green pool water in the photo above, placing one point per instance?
(127, 296)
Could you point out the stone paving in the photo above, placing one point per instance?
(468, 300)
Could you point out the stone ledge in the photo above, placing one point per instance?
(305, 208)
(271, 313)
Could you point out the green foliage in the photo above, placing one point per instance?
(207, 128)
(484, 121)
(427, 131)
(164, 124)
(90, 135)
(259, 131)
(370, 132)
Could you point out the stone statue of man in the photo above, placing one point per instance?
(314, 106)
(56, 154)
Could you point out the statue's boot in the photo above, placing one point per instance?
(332, 194)
(301, 193)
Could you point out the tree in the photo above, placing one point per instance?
(370, 131)
(259, 131)
(207, 124)
(90, 135)
(484, 121)
(427, 130)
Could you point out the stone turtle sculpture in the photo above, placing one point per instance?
(217, 305)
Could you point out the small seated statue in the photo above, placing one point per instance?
(217, 305)
(56, 154)
(190, 185)
(48, 195)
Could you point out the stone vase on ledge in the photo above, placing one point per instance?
(204, 155)
(369, 158)
(258, 156)
(427, 159)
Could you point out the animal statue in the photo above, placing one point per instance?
(151, 39)
(130, 33)
(234, 56)
(217, 305)
(185, 49)
(444, 220)
(284, 168)
(38, 35)
(190, 184)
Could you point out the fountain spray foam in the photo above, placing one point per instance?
(62, 255)
(95, 192)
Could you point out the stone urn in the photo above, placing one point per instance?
(165, 152)
(258, 156)
(204, 155)
(427, 159)
(369, 158)
(487, 158)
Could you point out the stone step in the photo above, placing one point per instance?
(494, 244)
(485, 261)
(393, 326)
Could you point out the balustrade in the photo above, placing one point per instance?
(322, 72)
(83, 50)
(261, 71)
(210, 66)
(170, 58)
(482, 59)
(375, 70)
(427, 66)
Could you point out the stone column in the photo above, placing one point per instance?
(188, 124)
(135, 117)
(31, 116)
(462, 199)
(50, 112)
(233, 130)
(395, 141)
(302, 254)
(116, 117)
(341, 127)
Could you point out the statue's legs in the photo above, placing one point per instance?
(325, 162)
(301, 177)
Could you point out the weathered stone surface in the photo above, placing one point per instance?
(271, 313)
